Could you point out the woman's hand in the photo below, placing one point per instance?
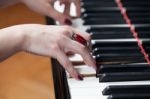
(45, 7)
(67, 4)
(55, 41)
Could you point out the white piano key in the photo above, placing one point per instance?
(90, 86)
(60, 8)
(76, 58)
(89, 97)
(83, 89)
(84, 70)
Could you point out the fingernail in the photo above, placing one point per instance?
(80, 77)
(70, 54)
(68, 22)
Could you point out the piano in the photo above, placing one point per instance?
(120, 32)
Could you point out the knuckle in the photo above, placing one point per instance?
(65, 31)
(88, 36)
(60, 39)
(55, 47)
(66, 27)
(71, 71)
(83, 48)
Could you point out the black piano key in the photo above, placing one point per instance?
(102, 21)
(124, 76)
(114, 1)
(112, 10)
(137, 11)
(116, 15)
(140, 20)
(144, 34)
(116, 9)
(100, 15)
(113, 36)
(116, 32)
(99, 4)
(96, 1)
(115, 44)
(109, 33)
(107, 50)
(129, 96)
(121, 35)
(141, 4)
(138, 15)
(126, 89)
(143, 28)
(119, 57)
(114, 20)
(134, 2)
(114, 68)
(146, 43)
(109, 29)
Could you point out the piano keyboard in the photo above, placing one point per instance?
(123, 72)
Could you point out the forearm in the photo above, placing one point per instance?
(5, 3)
(11, 40)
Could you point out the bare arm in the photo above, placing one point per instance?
(45, 7)
(10, 41)
(5, 3)
(44, 40)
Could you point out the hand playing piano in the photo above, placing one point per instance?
(45, 7)
(55, 41)
(47, 40)
(67, 4)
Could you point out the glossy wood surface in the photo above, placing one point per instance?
(24, 76)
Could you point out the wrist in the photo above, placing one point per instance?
(19, 36)
(24, 36)
(28, 33)
(11, 40)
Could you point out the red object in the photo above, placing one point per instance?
(80, 77)
(80, 39)
(68, 22)
(132, 29)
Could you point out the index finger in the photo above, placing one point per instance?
(65, 62)
(78, 48)
(67, 9)
(78, 7)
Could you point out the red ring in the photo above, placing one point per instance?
(79, 39)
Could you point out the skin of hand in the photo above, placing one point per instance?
(45, 7)
(67, 4)
(45, 40)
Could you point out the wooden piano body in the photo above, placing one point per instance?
(24, 76)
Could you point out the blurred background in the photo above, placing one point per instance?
(24, 76)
